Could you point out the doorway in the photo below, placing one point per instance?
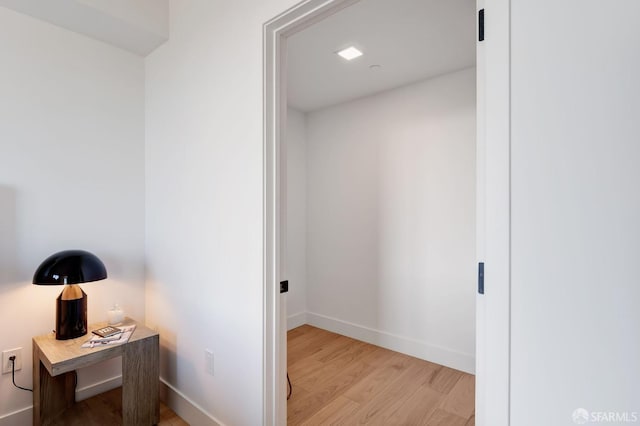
(276, 33)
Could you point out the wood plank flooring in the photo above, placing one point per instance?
(106, 409)
(341, 381)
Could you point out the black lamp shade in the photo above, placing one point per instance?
(70, 267)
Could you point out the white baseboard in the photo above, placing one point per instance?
(296, 320)
(98, 388)
(405, 345)
(22, 417)
(188, 410)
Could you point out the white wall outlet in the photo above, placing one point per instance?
(6, 362)
(208, 361)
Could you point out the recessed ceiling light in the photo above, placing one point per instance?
(350, 53)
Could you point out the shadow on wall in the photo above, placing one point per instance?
(8, 237)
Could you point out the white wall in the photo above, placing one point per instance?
(71, 176)
(391, 219)
(575, 209)
(204, 222)
(296, 217)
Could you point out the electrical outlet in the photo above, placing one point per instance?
(208, 361)
(6, 362)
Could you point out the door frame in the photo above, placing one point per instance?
(493, 161)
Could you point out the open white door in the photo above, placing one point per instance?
(493, 214)
(480, 216)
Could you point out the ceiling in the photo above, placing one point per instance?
(138, 26)
(410, 40)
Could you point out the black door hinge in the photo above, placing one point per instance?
(284, 286)
(481, 25)
(481, 277)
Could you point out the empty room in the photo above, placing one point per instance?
(380, 214)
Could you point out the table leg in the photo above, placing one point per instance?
(51, 395)
(140, 382)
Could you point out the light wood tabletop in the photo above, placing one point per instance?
(61, 356)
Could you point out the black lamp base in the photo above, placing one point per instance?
(71, 313)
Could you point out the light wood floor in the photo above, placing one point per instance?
(342, 381)
(106, 409)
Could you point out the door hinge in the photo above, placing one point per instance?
(481, 25)
(284, 286)
(481, 277)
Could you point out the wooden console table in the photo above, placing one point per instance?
(54, 362)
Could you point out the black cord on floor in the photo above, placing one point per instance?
(290, 387)
(13, 374)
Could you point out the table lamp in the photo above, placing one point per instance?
(70, 267)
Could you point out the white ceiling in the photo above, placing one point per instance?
(138, 26)
(411, 40)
